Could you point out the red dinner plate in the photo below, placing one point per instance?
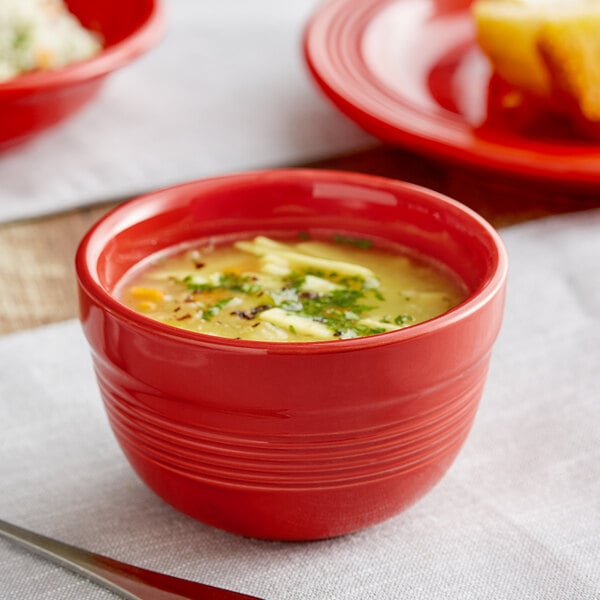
(410, 73)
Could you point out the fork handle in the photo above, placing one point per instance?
(129, 581)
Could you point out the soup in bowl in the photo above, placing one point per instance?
(291, 354)
(312, 286)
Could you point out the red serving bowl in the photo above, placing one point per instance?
(291, 441)
(33, 101)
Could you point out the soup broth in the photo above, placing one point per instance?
(290, 291)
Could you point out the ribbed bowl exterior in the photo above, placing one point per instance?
(270, 432)
(293, 441)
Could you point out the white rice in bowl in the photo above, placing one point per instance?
(41, 34)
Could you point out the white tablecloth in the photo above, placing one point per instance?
(516, 517)
(226, 90)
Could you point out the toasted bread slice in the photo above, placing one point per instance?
(571, 51)
(549, 49)
(507, 32)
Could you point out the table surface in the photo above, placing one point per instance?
(37, 274)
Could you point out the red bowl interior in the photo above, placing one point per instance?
(33, 101)
(291, 440)
(294, 200)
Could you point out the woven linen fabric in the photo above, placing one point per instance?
(226, 90)
(516, 517)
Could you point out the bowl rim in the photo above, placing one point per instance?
(474, 302)
(141, 39)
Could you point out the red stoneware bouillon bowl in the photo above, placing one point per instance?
(33, 101)
(302, 440)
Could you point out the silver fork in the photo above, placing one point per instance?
(126, 580)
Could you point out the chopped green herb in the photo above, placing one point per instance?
(316, 298)
(403, 319)
(208, 312)
(226, 281)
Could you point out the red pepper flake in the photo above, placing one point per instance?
(183, 317)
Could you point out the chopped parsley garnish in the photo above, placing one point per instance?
(340, 302)
(340, 309)
(208, 312)
(227, 281)
(403, 319)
